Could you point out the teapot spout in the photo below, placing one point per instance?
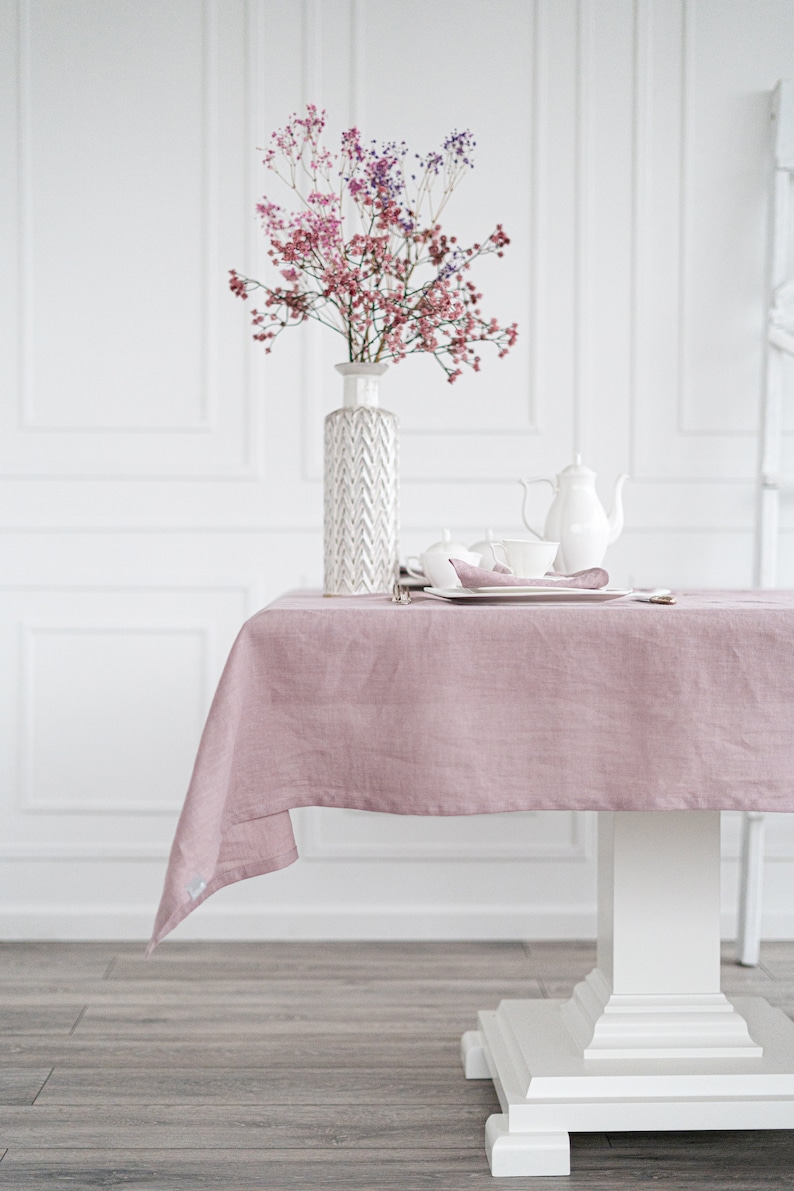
(615, 518)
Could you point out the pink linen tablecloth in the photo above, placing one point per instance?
(440, 709)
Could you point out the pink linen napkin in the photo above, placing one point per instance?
(593, 578)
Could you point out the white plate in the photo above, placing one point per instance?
(528, 595)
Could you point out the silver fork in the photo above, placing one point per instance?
(400, 595)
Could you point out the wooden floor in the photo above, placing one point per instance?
(304, 1065)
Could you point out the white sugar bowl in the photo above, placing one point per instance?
(485, 549)
(447, 546)
(433, 564)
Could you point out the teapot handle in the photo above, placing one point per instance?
(534, 480)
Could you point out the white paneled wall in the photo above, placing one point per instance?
(161, 478)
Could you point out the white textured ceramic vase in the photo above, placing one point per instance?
(361, 488)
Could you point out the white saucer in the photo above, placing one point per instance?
(528, 595)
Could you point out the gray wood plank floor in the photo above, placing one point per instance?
(305, 1065)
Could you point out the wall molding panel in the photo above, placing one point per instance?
(683, 349)
(343, 89)
(57, 752)
(201, 422)
(211, 436)
(107, 687)
(360, 835)
(46, 853)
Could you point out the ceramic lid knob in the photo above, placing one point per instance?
(577, 468)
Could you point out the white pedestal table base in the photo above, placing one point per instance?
(547, 1089)
(648, 1042)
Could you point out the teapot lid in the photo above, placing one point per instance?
(445, 545)
(577, 468)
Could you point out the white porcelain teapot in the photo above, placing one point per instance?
(577, 519)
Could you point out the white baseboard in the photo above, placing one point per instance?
(328, 922)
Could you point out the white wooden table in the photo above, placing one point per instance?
(648, 1041)
(570, 695)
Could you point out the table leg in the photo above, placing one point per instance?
(648, 1041)
(751, 885)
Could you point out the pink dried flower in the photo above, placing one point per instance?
(393, 283)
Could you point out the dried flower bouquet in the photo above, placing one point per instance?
(365, 253)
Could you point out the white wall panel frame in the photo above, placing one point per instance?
(667, 440)
(220, 438)
(479, 452)
(603, 278)
(38, 827)
(80, 852)
(532, 835)
(33, 631)
(205, 418)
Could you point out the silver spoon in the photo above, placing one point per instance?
(659, 595)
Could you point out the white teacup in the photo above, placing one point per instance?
(527, 558)
(435, 567)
